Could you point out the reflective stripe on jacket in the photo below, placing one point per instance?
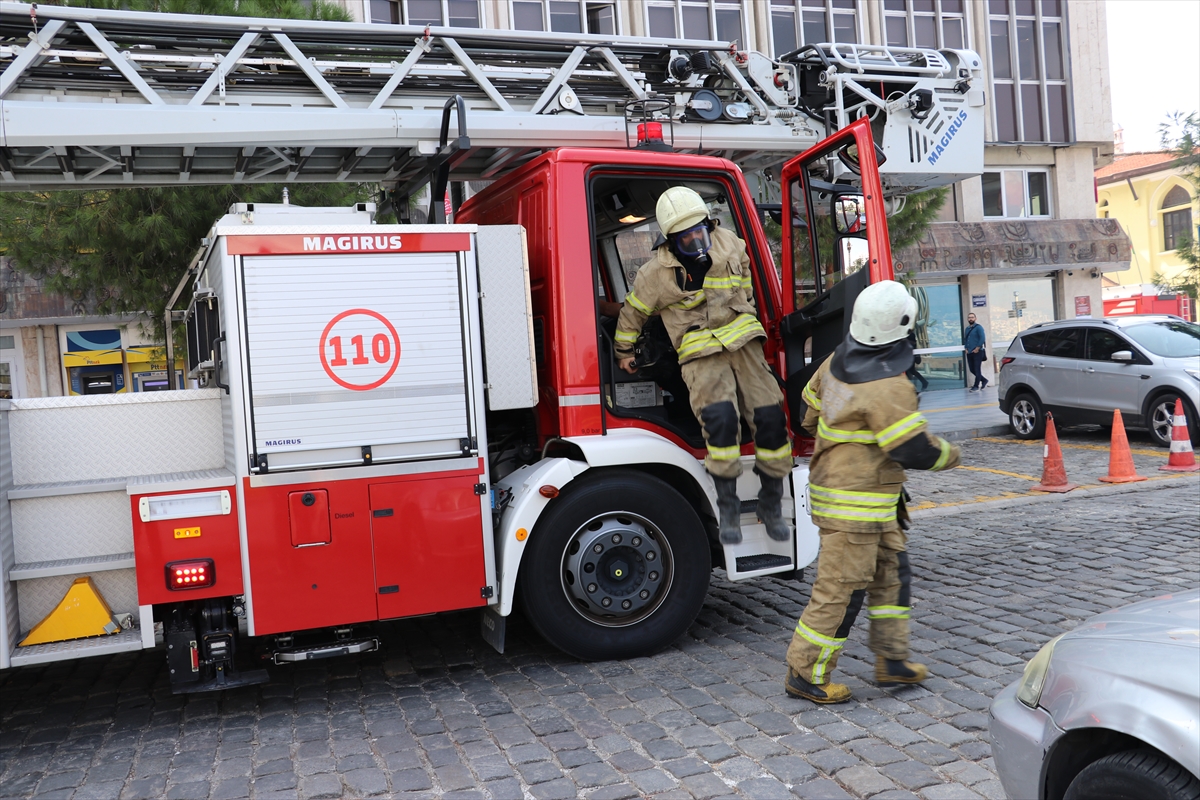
(854, 481)
(720, 315)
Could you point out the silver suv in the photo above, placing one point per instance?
(1082, 369)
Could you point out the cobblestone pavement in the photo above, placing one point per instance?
(441, 714)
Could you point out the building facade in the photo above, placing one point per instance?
(1018, 245)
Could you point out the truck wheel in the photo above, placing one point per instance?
(1136, 773)
(617, 567)
(1025, 417)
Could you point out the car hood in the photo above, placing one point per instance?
(1170, 620)
(1187, 362)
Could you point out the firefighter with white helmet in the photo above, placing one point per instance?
(862, 410)
(699, 282)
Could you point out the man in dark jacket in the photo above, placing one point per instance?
(973, 341)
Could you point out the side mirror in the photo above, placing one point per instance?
(850, 215)
(1122, 355)
(848, 155)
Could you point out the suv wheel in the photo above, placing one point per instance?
(1135, 773)
(1161, 419)
(1025, 417)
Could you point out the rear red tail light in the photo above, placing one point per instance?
(1006, 360)
(194, 574)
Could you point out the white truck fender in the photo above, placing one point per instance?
(808, 538)
(625, 446)
(521, 513)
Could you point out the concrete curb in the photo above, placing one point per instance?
(1093, 491)
(972, 433)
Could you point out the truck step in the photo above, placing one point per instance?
(762, 561)
(248, 677)
(78, 648)
(325, 651)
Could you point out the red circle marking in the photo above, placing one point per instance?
(360, 387)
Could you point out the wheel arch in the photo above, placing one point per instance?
(628, 449)
(1077, 748)
(1158, 393)
(1015, 391)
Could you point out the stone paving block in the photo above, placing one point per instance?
(864, 780)
(595, 774)
(619, 792)
(705, 786)
(840, 732)
(319, 787)
(911, 775)
(831, 760)
(945, 734)
(561, 789)
(875, 752)
(789, 769)
(505, 789)
(948, 791)
(820, 789)
(683, 767)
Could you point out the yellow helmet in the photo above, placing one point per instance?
(678, 209)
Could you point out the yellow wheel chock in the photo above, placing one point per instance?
(81, 613)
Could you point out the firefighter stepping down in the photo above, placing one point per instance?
(699, 282)
(862, 410)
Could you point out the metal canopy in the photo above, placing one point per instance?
(100, 98)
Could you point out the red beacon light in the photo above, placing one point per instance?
(194, 574)
(649, 133)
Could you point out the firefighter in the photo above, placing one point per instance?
(862, 410)
(699, 282)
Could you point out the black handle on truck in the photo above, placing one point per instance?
(218, 362)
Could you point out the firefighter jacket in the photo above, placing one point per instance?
(719, 315)
(866, 435)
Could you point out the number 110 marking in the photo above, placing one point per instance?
(381, 349)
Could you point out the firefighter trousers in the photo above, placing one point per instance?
(728, 386)
(853, 567)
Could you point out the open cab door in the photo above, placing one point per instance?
(835, 243)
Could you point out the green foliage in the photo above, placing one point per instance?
(124, 250)
(1180, 135)
(908, 225)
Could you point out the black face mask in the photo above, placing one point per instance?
(695, 268)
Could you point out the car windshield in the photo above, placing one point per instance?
(1167, 339)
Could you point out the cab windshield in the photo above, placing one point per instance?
(1167, 339)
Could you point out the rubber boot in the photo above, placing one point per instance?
(824, 693)
(730, 508)
(770, 507)
(889, 671)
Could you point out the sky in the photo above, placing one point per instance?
(1154, 63)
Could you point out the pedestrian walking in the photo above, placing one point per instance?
(862, 410)
(914, 374)
(699, 282)
(974, 340)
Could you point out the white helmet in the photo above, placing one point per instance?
(678, 209)
(883, 313)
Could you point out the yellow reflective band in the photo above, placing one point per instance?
(626, 336)
(850, 496)
(728, 282)
(690, 302)
(724, 453)
(744, 281)
(818, 674)
(810, 397)
(897, 429)
(696, 341)
(633, 300)
(819, 639)
(944, 457)
(887, 612)
(745, 324)
(768, 455)
(852, 513)
(838, 435)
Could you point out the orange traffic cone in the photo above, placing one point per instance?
(1054, 472)
(1182, 459)
(1120, 460)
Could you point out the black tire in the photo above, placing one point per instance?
(1160, 417)
(1134, 775)
(638, 522)
(1026, 419)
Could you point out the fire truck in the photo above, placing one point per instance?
(395, 420)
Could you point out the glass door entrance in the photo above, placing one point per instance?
(939, 333)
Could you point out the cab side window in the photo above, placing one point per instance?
(1064, 343)
(1101, 344)
(1034, 343)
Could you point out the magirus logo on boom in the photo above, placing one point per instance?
(950, 133)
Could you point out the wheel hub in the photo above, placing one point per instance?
(616, 569)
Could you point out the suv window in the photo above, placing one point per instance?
(1101, 344)
(1034, 343)
(1064, 343)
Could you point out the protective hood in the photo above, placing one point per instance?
(854, 362)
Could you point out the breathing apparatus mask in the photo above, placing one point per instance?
(692, 244)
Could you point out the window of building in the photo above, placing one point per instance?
(695, 19)
(1176, 218)
(565, 16)
(798, 22)
(926, 23)
(1016, 193)
(1029, 79)
(451, 13)
(1014, 305)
